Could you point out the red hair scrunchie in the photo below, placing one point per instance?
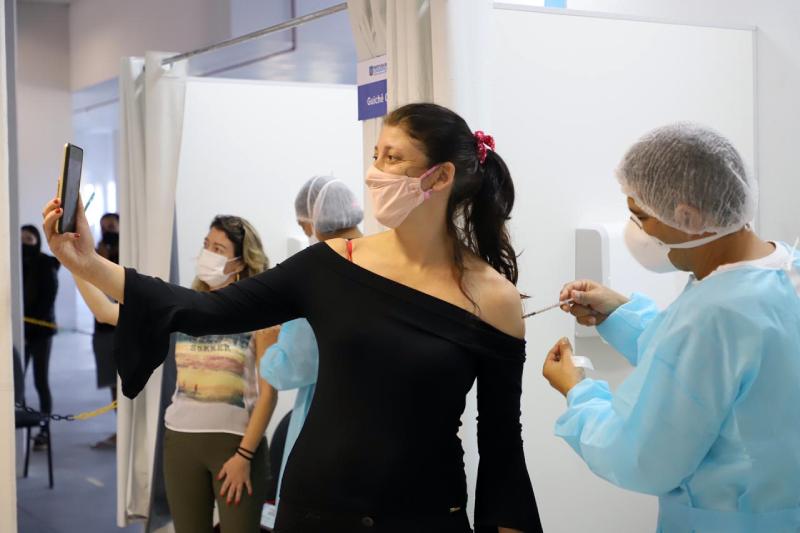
(483, 141)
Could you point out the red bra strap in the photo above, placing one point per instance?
(350, 250)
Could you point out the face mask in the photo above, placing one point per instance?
(652, 253)
(210, 268)
(111, 238)
(29, 251)
(395, 196)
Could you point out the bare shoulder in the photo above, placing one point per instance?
(338, 245)
(499, 299)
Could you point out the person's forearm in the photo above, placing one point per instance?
(259, 419)
(103, 310)
(106, 276)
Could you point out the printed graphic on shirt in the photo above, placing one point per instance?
(213, 368)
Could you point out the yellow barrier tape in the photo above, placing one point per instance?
(97, 412)
(43, 323)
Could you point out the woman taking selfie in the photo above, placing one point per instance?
(406, 321)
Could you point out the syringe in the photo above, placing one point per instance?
(548, 308)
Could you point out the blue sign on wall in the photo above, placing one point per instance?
(372, 88)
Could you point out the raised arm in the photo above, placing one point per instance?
(103, 309)
(152, 309)
(76, 252)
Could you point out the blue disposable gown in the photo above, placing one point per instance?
(709, 420)
(292, 363)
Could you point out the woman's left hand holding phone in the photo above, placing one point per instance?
(76, 251)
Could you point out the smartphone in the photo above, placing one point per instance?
(69, 186)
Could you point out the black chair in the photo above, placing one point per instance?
(27, 421)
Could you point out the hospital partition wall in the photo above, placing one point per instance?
(570, 92)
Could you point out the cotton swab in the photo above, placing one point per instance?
(582, 362)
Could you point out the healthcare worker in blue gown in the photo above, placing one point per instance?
(709, 419)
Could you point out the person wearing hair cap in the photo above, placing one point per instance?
(325, 209)
(304, 203)
(708, 421)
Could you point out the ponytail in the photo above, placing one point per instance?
(485, 219)
(482, 196)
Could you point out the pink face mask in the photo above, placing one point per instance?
(394, 196)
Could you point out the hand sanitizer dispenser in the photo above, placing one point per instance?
(601, 256)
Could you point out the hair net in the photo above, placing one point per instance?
(304, 203)
(336, 208)
(685, 164)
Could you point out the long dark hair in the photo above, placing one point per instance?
(483, 194)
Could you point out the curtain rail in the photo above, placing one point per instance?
(293, 23)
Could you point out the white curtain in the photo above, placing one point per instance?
(151, 122)
(401, 29)
(408, 50)
(461, 52)
(368, 20)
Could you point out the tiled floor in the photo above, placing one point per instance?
(85, 495)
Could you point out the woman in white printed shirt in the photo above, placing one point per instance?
(214, 445)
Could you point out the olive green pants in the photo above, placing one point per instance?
(191, 464)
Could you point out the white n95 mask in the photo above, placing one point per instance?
(652, 253)
(210, 268)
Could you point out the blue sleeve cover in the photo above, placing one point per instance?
(292, 362)
(655, 431)
(624, 326)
